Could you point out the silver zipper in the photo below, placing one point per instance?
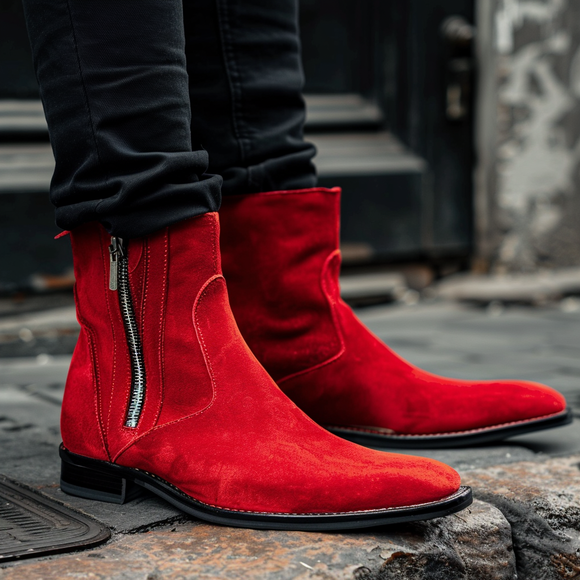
(119, 281)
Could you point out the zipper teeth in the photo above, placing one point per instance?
(134, 343)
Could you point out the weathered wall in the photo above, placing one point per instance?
(534, 220)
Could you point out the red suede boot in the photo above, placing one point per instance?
(281, 261)
(164, 394)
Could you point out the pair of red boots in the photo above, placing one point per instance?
(164, 393)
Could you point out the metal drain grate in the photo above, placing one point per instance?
(33, 525)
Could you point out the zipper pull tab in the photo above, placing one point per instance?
(115, 253)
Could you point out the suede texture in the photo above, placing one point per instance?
(281, 261)
(214, 423)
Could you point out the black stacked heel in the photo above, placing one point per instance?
(95, 482)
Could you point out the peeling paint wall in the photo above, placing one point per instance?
(537, 198)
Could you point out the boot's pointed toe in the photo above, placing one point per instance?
(281, 260)
(531, 400)
(520, 401)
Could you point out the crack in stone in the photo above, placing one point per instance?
(541, 552)
(179, 519)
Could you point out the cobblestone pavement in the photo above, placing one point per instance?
(154, 540)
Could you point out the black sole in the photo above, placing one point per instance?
(104, 481)
(368, 438)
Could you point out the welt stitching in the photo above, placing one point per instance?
(459, 492)
(367, 511)
(435, 435)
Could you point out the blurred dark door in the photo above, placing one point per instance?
(389, 87)
(389, 109)
(26, 215)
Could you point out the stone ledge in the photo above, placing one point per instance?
(473, 544)
(541, 501)
(524, 525)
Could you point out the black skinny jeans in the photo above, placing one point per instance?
(151, 104)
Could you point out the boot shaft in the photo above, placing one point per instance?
(281, 262)
(132, 299)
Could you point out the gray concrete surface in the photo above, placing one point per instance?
(541, 344)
